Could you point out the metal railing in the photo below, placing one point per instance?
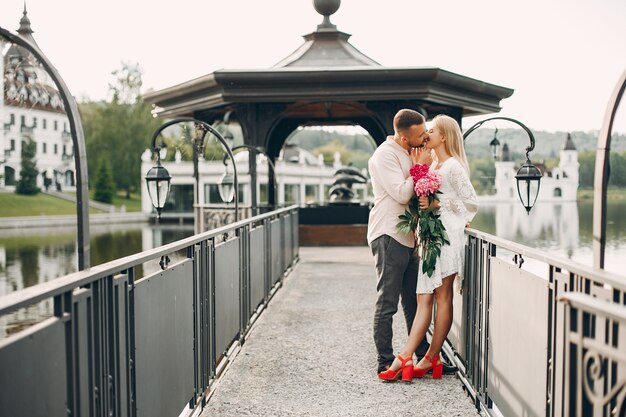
(595, 350)
(512, 340)
(123, 342)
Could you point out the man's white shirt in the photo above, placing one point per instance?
(393, 188)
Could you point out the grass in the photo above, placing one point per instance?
(611, 194)
(132, 204)
(16, 205)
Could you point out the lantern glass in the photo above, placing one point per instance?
(158, 184)
(528, 191)
(158, 191)
(226, 187)
(528, 182)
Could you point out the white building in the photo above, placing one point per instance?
(560, 184)
(32, 108)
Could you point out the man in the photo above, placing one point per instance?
(396, 262)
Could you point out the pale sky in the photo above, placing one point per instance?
(562, 57)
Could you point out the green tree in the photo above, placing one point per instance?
(328, 151)
(618, 169)
(120, 129)
(586, 161)
(27, 184)
(105, 186)
(483, 172)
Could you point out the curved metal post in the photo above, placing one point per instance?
(219, 137)
(602, 171)
(522, 125)
(269, 162)
(78, 142)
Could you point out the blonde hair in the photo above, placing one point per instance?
(451, 130)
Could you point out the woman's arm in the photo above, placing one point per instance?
(467, 201)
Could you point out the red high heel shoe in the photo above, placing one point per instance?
(405, 371)
(436, 368)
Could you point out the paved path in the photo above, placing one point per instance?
(311, 352)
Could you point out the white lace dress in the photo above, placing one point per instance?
(459, 204)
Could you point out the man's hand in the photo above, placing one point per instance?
(424, 203)
(421, 156)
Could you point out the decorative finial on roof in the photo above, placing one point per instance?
(326, 8)
(569, 144)
(25, 24)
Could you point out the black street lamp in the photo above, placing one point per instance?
(528, 176)
(528, 180)
(225, 185)
(269, 163)
(158, 179)
(158, 182)
(495, 145)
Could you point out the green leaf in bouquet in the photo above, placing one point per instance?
(431, 227)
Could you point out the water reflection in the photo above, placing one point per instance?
(33, 256)
(562, 229)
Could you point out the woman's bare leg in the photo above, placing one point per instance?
(421, 322)
(443, 319)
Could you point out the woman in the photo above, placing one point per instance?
(457, 206)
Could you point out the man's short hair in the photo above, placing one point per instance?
(406, 118)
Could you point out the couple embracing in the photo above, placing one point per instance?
(400, 274)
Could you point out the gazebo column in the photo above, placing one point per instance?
(274, 143)
(457, 114)
(374, 127)
(256, 122)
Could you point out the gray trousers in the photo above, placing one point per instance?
(396, 268)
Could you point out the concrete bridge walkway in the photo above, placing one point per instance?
(311, 353)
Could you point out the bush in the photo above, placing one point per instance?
(27, 185)
(105, 187)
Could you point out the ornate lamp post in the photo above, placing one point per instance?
(494, 145)
(158, 179)
(528, 176)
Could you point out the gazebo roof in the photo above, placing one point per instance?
(293, 84)
(328, 69)
(326, 48)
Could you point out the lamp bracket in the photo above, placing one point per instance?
(522, 125)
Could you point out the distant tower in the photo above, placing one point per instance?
(505, 175)
(569, 161)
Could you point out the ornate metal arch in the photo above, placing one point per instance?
(602, 172)
(78, 142)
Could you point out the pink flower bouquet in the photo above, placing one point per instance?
(431, 234)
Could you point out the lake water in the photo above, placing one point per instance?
(32, 256)
(562, 229)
